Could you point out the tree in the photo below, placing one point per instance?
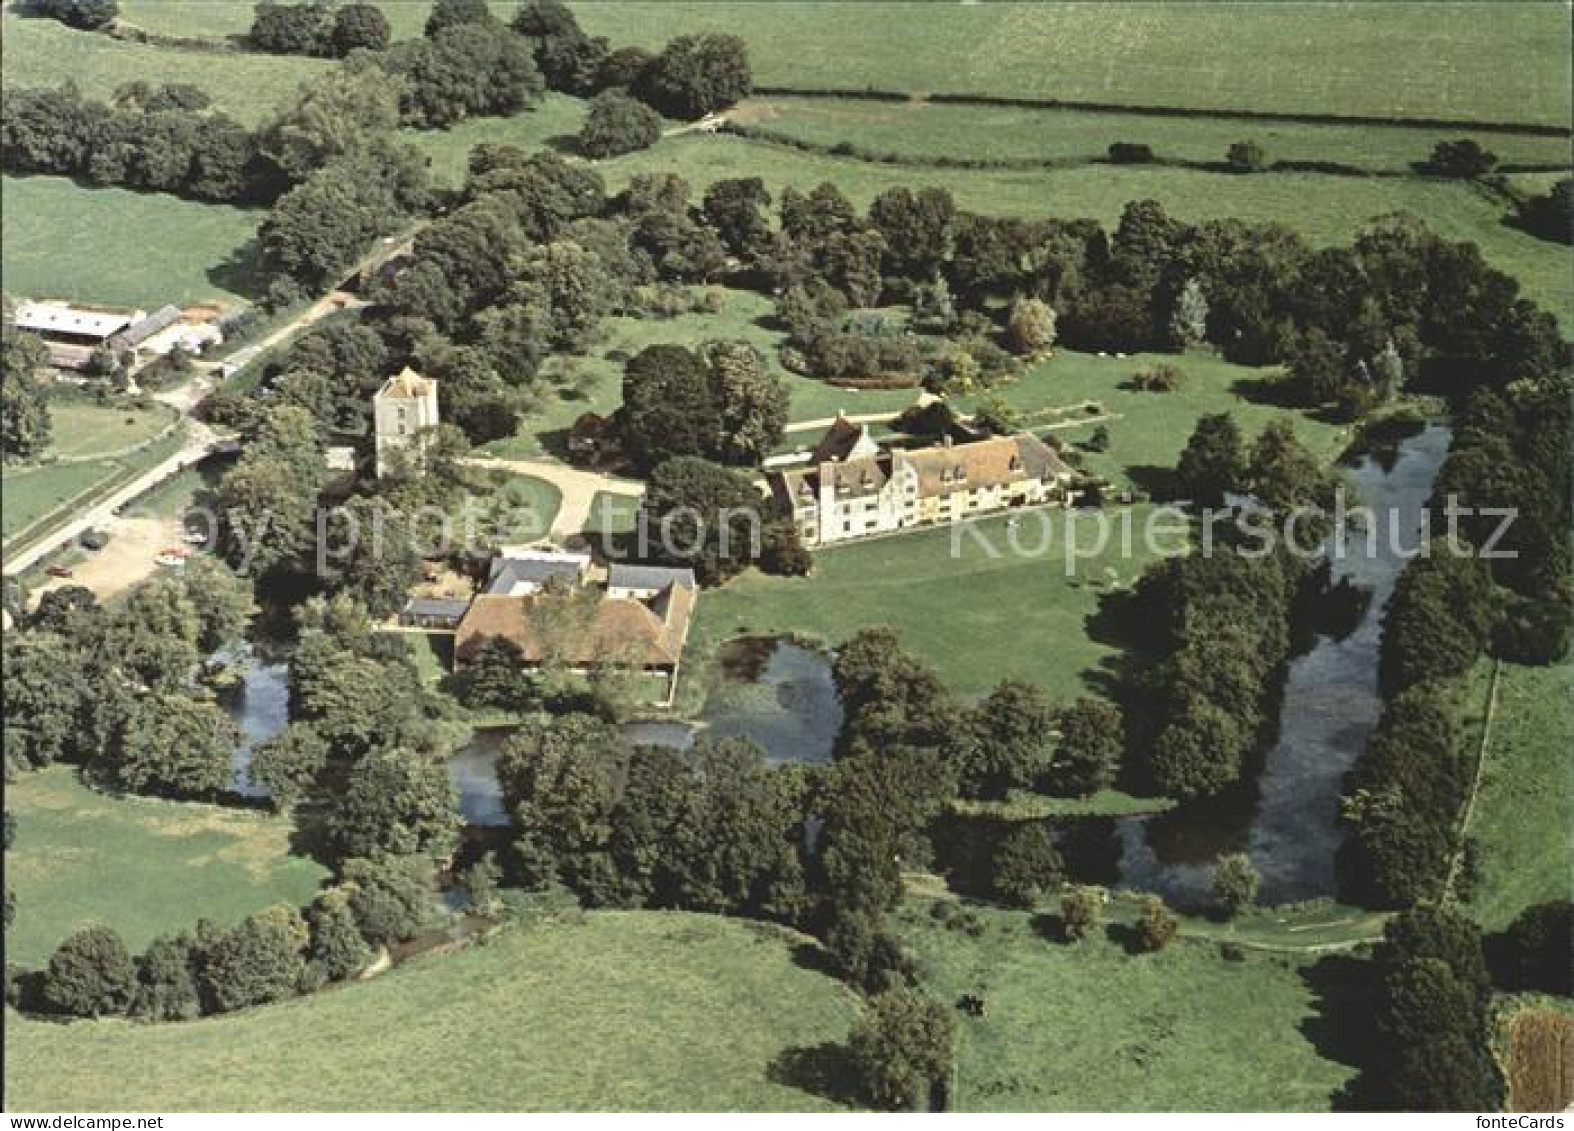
(1283, 474)
(359, 27)
(495, 675)
(397, 803)
(1245, 157)
(736, 209)
(337, 948)
(1088, 756)
(615, 124)
(1463, 159)
(1156, 926)
(85, 15)
(1189, 317)
(24, 413)
(1212, 464)
(172, 745)
(167, 981)
(338, 113)
(751, 400)
(1533, 952)
(464, 70)
(455, 13)
(1031, 326)
(1199, 752)
(560, 778)
(258, 960)
(1012, 748)
(669, 406)
(901, 1048)
(47, 697)
(289, 764)
(1551, 215)
(1439, 619)
(1235, 882)
(696, 75)
(1026, 864)
(391, 898)
(291, 29)
(267, 501)
(90, 975)
(1080, 911)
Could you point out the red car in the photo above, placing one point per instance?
(58, 571)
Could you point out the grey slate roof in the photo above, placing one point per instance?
(648, 577)
(509, 572)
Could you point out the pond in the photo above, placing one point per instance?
(773, 691)
(1286, 819)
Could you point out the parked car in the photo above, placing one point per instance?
(93, 540)
(195, 538)
(59, 571)
(173, 561)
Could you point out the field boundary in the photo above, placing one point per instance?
(1457, 856)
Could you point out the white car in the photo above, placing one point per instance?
(172, 561)
(194, 538)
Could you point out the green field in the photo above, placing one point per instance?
(1525, 811)
(1503, 62)
(109, 245)
(617, 1011)
(142, 866)
(81, 429)
(929, 130)
(557, 117)
(32, 495)
(247, 87)
(1091, 1028)
(214, 19)
(1325, 209)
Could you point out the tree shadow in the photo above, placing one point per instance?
(566, 144)
(241, 272)
(1158, 483)
(823, 1070)
(1276, 392)
(1343, 989)
(1125, 936)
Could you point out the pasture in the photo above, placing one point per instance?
(1089, 1027)
(1524, 810)
(653, 1011)
(142, 866)
(1478, 61)
(923, 130)
(84, 430)
(554, 121)
(34, 495)
(59, 239)
(247, 87)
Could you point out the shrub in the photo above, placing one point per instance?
(900, 1048)
(1235, 882)
(391, 898)
(257, 961)
(1159, 379)
(1156, 926)
(337, 948)
(1080, 911)
(1026, 864)
(90, 975)
(618, 124)
(1464, 159)
(1130, 153)
(1245, 157)
(167, 982)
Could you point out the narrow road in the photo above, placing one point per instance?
(578, 487)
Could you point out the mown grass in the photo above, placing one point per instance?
(59, 239)
(1324, 209)
(142, 866)
(1478, 61)
(612, 1011)
(1524, 812)
(81, 429)
(1089, 1027)
(247, 87)
(930, 130)
(555, 121)
(32, 497)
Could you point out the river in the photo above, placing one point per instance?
(1286, 818)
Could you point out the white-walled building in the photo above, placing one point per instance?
(403, 409)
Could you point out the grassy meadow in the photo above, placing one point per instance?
(59, 239)
(31, 495)
(1382, 58)
(1088, 1027)
(929, 130)
(142, 866)
(1525, 810)
(652, 1011)
(82, 429)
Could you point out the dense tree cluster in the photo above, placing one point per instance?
(714, 520)
(718, 402)
(902, 1049)
(616, 123)
(25, 425)
(1429, 1047)
(1550, 215)
(85, 15)
(120, 691)
(316, 28)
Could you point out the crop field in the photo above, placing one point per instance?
(109, 245)
(1435, 59)
(931, 130)
(1088, 1027)
(142, 866)
(1540, 1062)
(1524, 812)
(247, 87)
(1324, 209)
(653, 1011)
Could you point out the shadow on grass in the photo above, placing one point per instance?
(1343, 989)
(823, 1070)
(241, 272)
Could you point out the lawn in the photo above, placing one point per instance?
(654, 1011)
(932, 130)
(962, 597)
(1524, 812)
(1088, 1027)
(81, 429)
(59, 239)
(29, 496)
(1324, 209)
(1504, 62)
(247, 87)
(142, 866)
(556, 118)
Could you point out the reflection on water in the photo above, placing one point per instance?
(1287, 818)
(261, 707)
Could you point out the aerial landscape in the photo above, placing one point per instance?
(787, 556)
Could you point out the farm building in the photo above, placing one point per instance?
(73, 332)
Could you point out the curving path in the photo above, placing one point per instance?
(578, 487)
